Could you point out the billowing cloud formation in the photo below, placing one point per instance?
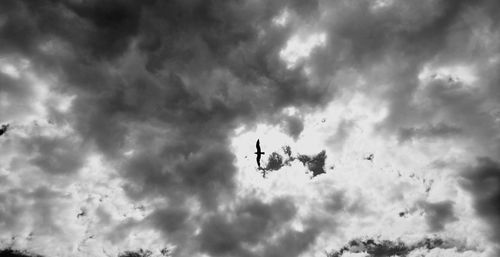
(483, 181)
(142, 253)
(274, 162)
(228, 236)
(14, 253)
(294, 126)
(315, 163)
(380, 248)
(155, 90)
(438, 214)
(441, 130)
(123, 116)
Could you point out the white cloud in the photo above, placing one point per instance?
(300, 46)
(143, 135)
(283, 18)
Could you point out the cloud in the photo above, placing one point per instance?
(292, 243)
(315, 163)
(18, 214)
(158, 89)
(339, 201)
(55, 155)
(438, 214)
(293, 126)
(16, 253)
(390, 59)
(144, 253)
(145, 97)
(169, 220)
(437, 131)
(341, 135)
(482, 180)
(253, 221)
(274, 162)
(380, 248)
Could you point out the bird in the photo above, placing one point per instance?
(369, 157)
(259, 153)
(4, 129)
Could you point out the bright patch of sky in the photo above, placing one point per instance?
(283, 18)
(375, 192)
(300, 46)
(453, 73)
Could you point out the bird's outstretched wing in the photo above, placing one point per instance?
(258, 160)
(3, 129)
(258, 146)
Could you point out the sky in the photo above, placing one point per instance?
(132, 128)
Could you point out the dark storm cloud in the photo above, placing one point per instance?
(254, 222)
(436, 131)
(360, 36)
(16, 253)
(304, 8)
(390, 46)
(203, 173)
(292, 243)
(15, 91)
(274, 162)
(169, 220)
(99, 29)
(145, 253)
(16, 204)
(55, 155)
(482, 180)
(315, 163)
(293, 126)
(169, 80)
(382, 248)
(339, 201)
(463, 107)
(438, 214)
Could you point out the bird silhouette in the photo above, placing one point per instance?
(259, 153)
(4, 129)
(370, 157)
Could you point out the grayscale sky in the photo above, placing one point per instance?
(133, 126)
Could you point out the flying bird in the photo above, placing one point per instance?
(259, 153)
(370, 157)
(4, 129)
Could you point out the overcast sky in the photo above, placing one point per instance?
(132, 125)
